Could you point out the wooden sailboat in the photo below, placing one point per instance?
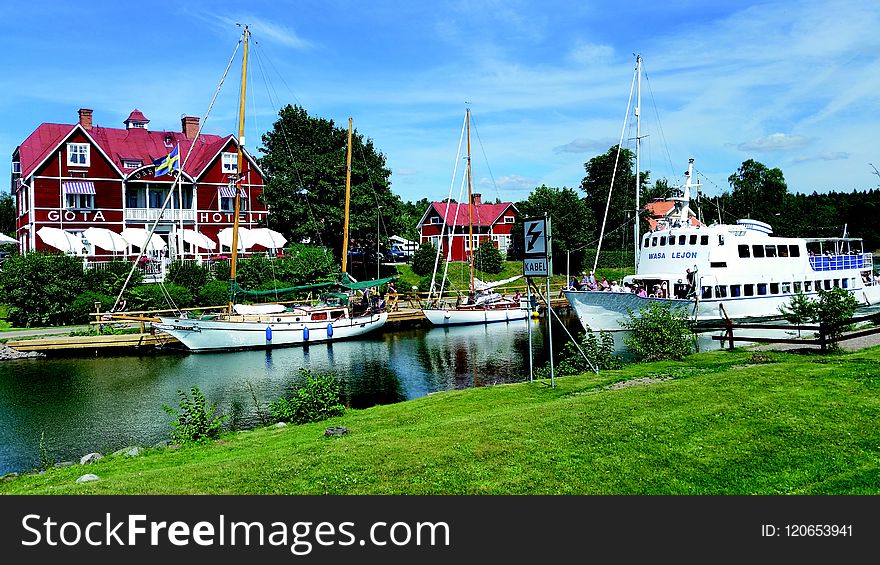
(482, 305)
(266, 325)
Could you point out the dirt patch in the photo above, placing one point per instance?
(638, 382)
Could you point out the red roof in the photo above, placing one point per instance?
(136, 116)
(119, 144)
(483, 214)
(660, 208)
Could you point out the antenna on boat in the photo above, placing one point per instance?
(638, 108)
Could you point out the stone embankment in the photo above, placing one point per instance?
(7, 353)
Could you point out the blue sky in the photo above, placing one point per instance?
(794, 85)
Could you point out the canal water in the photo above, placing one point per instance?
(80, 405)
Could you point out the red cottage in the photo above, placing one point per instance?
(490, 221)
(76, 176)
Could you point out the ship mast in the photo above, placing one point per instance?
(238, 176)
(638, 146)
(470, 201)
(347, 201)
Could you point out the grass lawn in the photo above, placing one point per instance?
(722, 422)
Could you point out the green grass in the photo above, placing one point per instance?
(724, 423)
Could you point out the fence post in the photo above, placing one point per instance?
(729, 324)
(822, 336)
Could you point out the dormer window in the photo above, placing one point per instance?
(229, 161)
(78, 154)
(435, 220)
(131, 163)
(169, 142)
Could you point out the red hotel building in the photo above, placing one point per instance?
(490, 221)
(75, 176)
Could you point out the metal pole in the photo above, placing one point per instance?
(549, 307)
(529, 321)
(378, 260)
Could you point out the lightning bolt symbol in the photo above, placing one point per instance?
(534, 233)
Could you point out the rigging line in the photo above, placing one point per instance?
(179, 177)
(614, 171)
(659, 124)
(485, 158)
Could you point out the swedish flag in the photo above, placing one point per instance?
(170, 162)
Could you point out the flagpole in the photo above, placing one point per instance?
(180, 206)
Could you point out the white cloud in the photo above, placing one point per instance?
(585, 146)
(829, 156)
(775, 142)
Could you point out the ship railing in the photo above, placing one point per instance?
(840, 262)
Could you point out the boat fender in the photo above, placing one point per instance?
(268, 333)
(306, 334)
(329, 330)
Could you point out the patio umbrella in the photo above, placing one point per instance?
(60, 239)
(270, 239)
(105, 239)
(198, 239)
(138, 238)
(244, 240)
(6, 239)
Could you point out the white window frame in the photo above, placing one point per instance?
(436, 220)
(78, 154)
(229, 201)
(229, 163)
(509, 219)
(131, 164)
(73, 201)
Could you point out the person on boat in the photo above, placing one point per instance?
(604, 284)
(691, 281)
(517, 297)
(585, 280)
(392, 296)
(641, 291)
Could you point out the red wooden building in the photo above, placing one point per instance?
(76, 176)
(490, 221)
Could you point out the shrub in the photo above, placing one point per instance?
(423, 260)
(152, 297)
(195, 421)
(659, 332)
(306, 264)
(598, 349)
(84, 304)
(316, 398)
(799, 310)
(488, 259)
(188, 274)
(254, 271)
(833, 308)
(108, 278)
(215, 293)
(39, 287)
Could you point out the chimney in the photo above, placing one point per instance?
(85, 118)
(475, 199)
(190, 126)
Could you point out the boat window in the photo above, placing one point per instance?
(808, 286)
(653, 242)
(818, 286)
(827, 284)
(749, 289)
(647, 242)
(797, 286)
(844, 283)
(762, 289)
(770, 250)
(671, 240)
(662, 240)
(774, 288)
(693, 240)
(704, 240)
(707, 292)
(735, 290)
(758, 250)
(717, 264)
(786, 288)
(743, 250)
(794, 251)
(721, 291)
(836, 283)
(720, 239)
(319, 316)
(682, 239)
(782, 250)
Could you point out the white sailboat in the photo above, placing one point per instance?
(269, 325)
(725, 271)
(482, 305)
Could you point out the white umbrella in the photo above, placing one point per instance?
(6, 239)
(138, 238)
(270, 239)
(244, 240)
(198, 239)
(105, 239)
(60, 239)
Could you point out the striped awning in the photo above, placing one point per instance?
(229, 192)
(79, 187)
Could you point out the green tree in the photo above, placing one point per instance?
(488, 259)
(7, 214)
(305, 162)
(658, 331)
(40, 287)
(571, 223)
(758, 192)
(799, 310)
(423, 260)
(833, 308)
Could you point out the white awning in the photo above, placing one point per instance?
(6, 239)
(138, 238)
(199, 239)
(270, 239)
(78, 187)
(224, 236)
(229, 192)
(105, 239)
(60, 239)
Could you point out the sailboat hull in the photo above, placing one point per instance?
(211, 335)
(458, 317)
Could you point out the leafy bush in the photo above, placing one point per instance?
(799, 310)
(108, 278)
(423, 260)
(659, 332)
(215, 293)
(195, 421)
(152, 297)
(306, 264)
(39, 287)
(598, 349)
(84, 304)
(833, 308)
(488, 259)
(251, 272)
(188, 274)
(316, 398)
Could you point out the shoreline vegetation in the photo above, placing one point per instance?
(719, 422)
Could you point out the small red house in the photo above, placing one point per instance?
(452, 220)
(660, 209)
(76, 176)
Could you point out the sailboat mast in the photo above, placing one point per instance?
(347, 201)
(470, 201)
(238, 172)
(638, 146)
